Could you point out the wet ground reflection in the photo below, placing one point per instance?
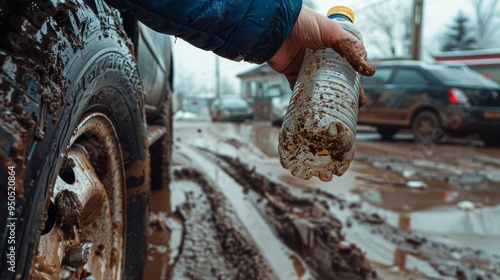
(447, 194)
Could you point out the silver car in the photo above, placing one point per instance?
(230, 109)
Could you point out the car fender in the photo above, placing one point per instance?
(420, 108)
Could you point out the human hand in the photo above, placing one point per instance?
(315, 31)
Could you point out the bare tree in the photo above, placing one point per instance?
(486, 12)
(388, 27)
(186, 83)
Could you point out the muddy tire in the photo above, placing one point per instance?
(386, 132)
(217, 117)
(71, 104)
(426, 128)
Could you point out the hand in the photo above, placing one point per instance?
(315, 31)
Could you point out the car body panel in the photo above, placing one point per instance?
(394, 97)
(155, 65)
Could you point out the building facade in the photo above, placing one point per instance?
(260, 86)
(487, 62)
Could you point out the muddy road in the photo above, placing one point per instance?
(402, 211)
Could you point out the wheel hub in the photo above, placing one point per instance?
(87, 239)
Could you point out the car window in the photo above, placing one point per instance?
(460, 76)
(408, 77)
(233, 102)
(381, 76)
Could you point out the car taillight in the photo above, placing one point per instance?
(457, 96)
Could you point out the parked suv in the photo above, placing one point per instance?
(433, 100)
(76, 135)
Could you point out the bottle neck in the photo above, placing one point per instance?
(334, 16)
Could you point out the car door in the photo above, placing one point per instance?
(406, 89)
(374, 89)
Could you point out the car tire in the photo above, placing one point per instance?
(491, 140)
(426, 128)
(73, 129)
(386, 132)
(218, 117)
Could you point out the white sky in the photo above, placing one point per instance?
(200, 65)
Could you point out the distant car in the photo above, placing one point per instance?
(433, 100)
(280, 105)
(230, 108)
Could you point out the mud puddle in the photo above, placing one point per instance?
(415, 212)
(205, 238)
(305, 225)
(395, 250)
(284, 263)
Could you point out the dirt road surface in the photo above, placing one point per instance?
(402, 211)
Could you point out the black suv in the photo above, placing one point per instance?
(433, 100)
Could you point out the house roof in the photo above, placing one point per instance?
(471, 58)
(263, 69)
(469, 53)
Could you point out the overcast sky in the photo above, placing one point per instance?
(200, 65)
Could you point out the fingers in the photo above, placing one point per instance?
(331, 35)
(354, 52)
(288, 61)
(315, 31)
(362, 97)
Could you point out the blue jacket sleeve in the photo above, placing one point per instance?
(251, 30)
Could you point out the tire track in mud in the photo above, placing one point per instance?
(220, 250)
(307, 225)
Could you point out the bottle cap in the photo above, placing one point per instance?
(342, 10)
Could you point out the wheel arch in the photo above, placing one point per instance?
(424, 108)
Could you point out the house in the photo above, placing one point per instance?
(257, 82)
(260, 86)
(487, 62)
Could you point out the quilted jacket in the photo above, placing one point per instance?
(251, 30)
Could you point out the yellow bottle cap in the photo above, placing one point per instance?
(343, 10)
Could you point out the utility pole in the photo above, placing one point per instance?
(416, 34)
(217, 77)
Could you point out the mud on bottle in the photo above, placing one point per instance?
(318, 134)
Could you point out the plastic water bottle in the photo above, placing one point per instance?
(319, 129)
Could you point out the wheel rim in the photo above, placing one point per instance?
(425, 128)
(84, 233)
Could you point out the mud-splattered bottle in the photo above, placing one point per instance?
(319, 129)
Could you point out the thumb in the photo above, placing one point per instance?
(319, 32)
